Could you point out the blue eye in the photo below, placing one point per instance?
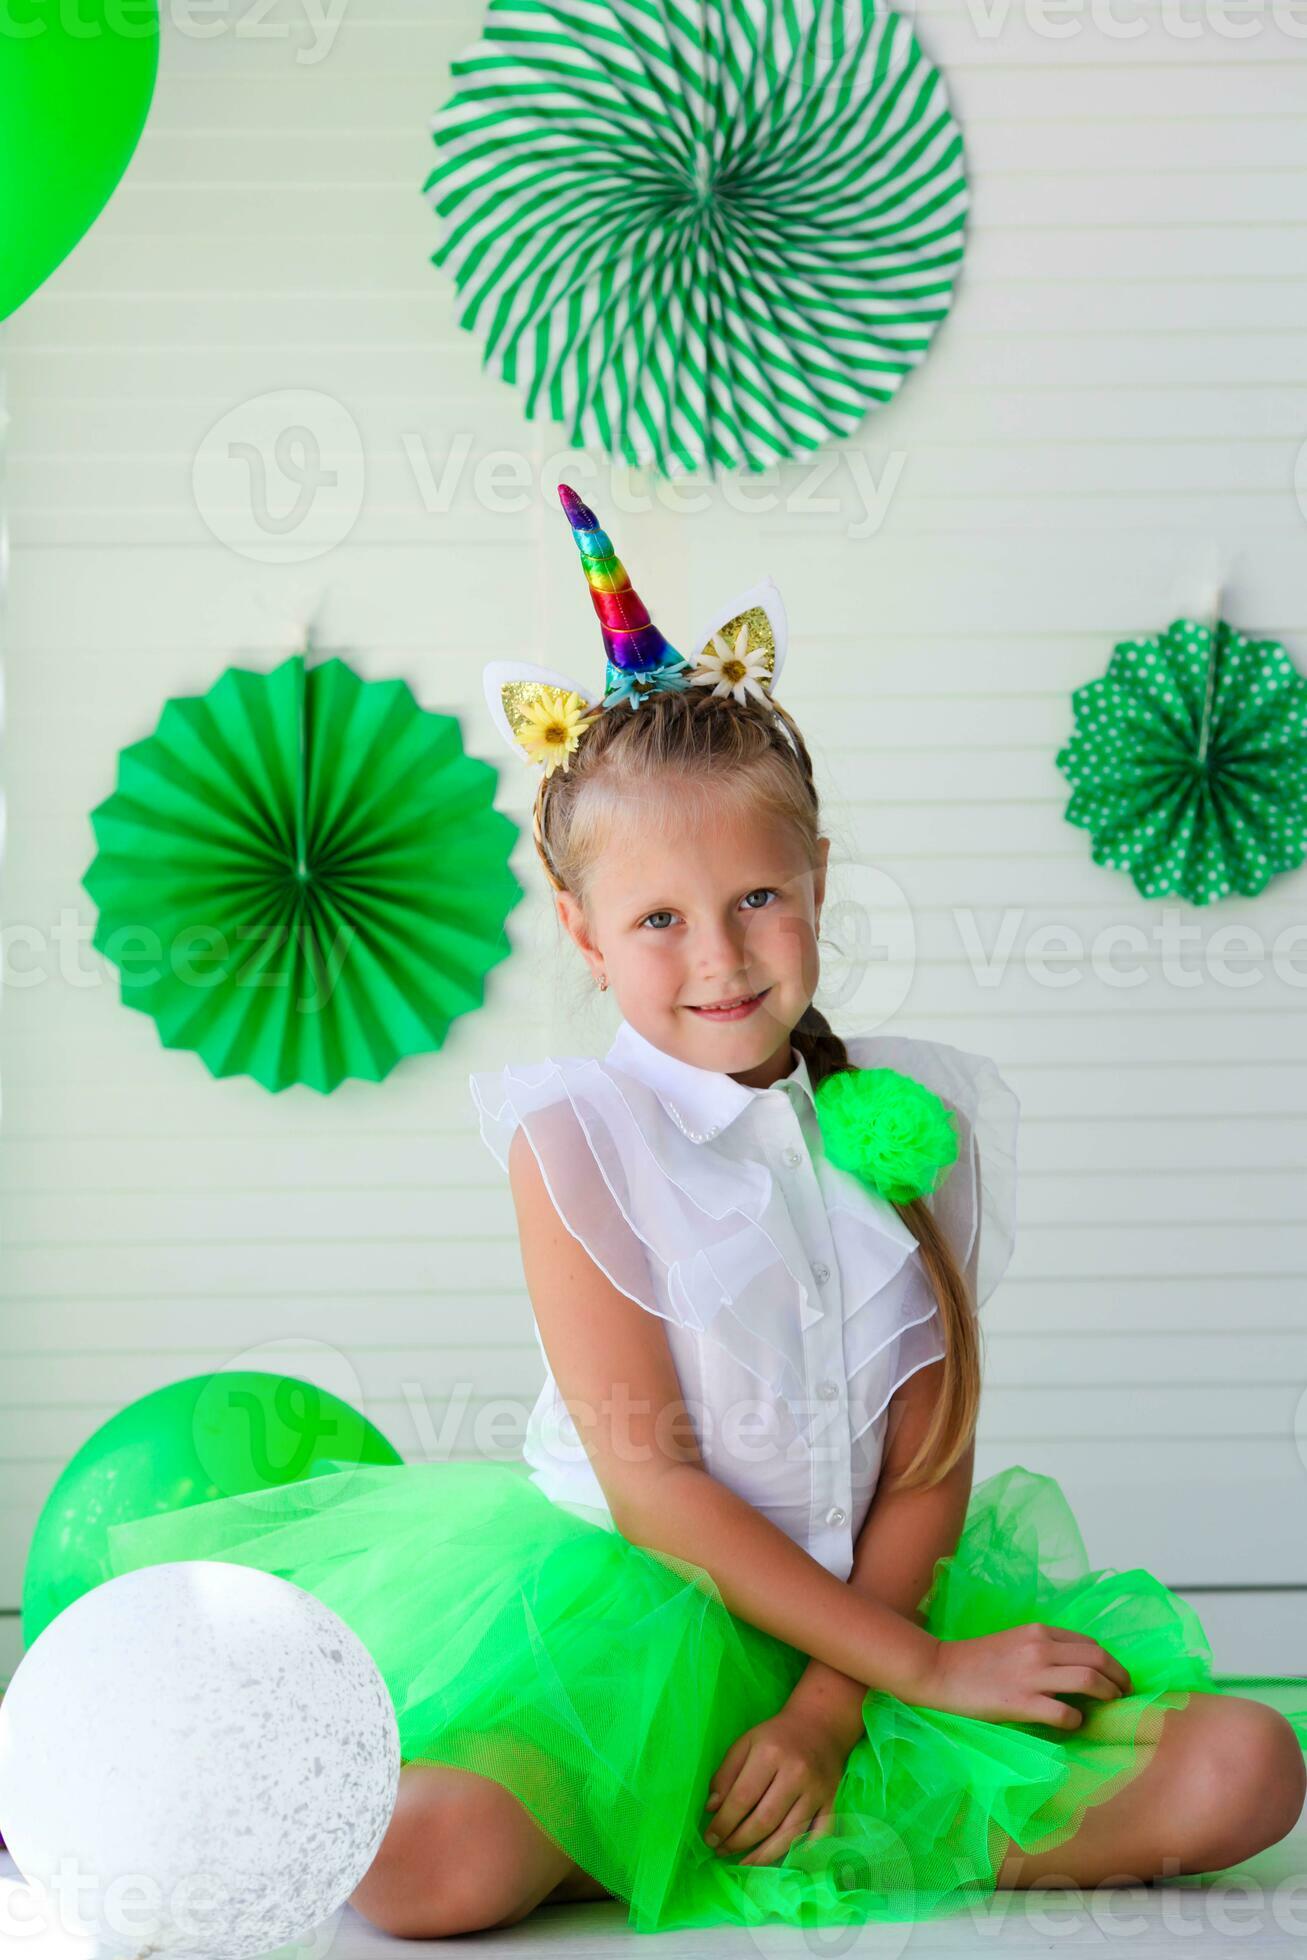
(769, 890)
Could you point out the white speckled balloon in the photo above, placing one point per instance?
(196, 1757)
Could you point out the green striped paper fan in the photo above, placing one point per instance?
(700, 234)
(1189, 762)
(300, 875)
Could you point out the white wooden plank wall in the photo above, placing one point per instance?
(1113, 413)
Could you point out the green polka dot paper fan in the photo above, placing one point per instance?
(301, 876)
(1189, 761)
(712, 234)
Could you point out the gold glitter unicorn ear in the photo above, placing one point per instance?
(743, 650)
(541, 714)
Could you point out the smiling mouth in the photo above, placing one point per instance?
(715, 1006)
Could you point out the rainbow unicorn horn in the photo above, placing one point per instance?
(632, 642)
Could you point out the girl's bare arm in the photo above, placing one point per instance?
(904, 1533)
(614, 1369)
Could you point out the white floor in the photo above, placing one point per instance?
(1262, 1910)
(1259, 1906)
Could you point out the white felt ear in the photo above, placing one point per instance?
(763, 609)
(511, 685)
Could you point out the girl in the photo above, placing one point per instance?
(746, 1646)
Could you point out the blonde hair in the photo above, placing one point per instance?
(753, 750)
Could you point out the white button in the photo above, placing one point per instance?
(835, 1515)
(822, 1272)
(827, 1391)
(792, 1157)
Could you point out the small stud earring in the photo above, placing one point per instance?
(603, 982)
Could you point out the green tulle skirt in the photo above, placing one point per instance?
(602, 1683)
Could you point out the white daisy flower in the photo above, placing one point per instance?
(740, 670)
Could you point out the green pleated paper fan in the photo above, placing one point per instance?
(1189, 761)
(715, 233)
(301, 876)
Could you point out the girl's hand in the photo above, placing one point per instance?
(1017, 1675)
(775, 1782)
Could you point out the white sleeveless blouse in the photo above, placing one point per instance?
(794, 1297)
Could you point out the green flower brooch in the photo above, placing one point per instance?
(889, 1130)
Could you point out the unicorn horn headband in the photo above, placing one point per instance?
(632, 642)
(542, 714)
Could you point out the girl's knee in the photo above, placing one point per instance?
(428, 1898)
(449, 1861)
(1253, 1780)
(1283, 1770)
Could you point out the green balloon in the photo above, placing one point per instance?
(209, 1436)
(76, 77)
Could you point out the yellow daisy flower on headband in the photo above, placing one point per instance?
(550, 730)
(543, 713)
(739, 670)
